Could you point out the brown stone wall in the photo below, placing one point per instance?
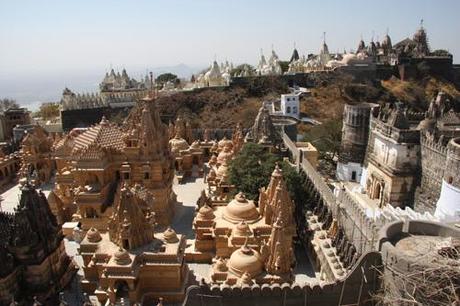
(356, 288)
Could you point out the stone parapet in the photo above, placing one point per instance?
(356, 287)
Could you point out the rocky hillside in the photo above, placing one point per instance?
(225, 107)
(221, 107)
(327, 99)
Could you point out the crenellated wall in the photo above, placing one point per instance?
(356, 287)
(433, 161)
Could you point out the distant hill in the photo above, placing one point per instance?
(30, 90)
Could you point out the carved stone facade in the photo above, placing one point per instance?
(186, 151)
(34, 262)
(130, 262)
(263, 131)
(9, 165)
(35, 155)
(250, 244)
(393, 156)
(105, 156)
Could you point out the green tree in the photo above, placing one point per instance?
(441, 52)
(7, 103)
(284, 66)
(251, 169)
(48, 111)
(165, 77)
(240, 68)
(326, 138)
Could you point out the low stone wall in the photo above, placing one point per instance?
(356, 288)
(359, 229)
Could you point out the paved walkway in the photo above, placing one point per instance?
(187, 195)
(10, 198)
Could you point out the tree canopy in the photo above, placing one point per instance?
(240, 68)
(165, 77)
(251, 170)
(48, 111)
(284, 66)
(7, 103)
(326, 138)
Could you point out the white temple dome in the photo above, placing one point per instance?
(240, 209)
(93, 235)
(245, 260)
(206, 213)
(347, 58)
(225, 155)
(178, 144)
(170, 235)
(121, 257)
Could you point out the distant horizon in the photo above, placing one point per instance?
(52, 43)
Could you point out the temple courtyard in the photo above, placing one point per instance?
(187, 193)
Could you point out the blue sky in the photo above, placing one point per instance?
(63, 36)
(45, 36)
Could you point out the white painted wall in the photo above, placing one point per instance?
(393, 154)
(448, 206)
(345, 171)
(290, 105)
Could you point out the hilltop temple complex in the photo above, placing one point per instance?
(250, 244)
(106, 156)
(153, 207)
(130, 261)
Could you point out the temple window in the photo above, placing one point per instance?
(288, 109)
(146, 175)
(126, 175)
(294, 109)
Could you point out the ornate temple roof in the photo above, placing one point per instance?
(245, 260)
(240, 209)
(129, 227)
(178, 144)
(103, 135)
(31, 233)
(295, 56)
(263, 130)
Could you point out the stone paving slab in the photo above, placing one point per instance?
(10, 197)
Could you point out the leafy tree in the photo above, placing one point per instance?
(7, 103)
(240, 68)
(326, 138)
(251, 169)
(48, 111)
(165, 77)
(284, 66)
(441, 52)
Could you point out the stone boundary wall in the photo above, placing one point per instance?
(360, 229)
(356, 288)
(433, 162)
(214, 134)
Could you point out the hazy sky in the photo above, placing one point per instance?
(56, 36)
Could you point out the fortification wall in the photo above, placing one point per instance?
(356, 288)
(433, 160)
(359, 228)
